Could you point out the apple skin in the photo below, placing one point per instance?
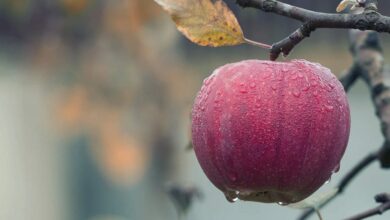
(270, 131)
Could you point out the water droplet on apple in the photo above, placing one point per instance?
(306, 87)
(336, 169)
(267, 73)
(280, 76)
(296, 93)
(252, 85)
(243, 90)
(328, 181)
(231, 196)
(273, 86)
(208, 80)
(232, 177)
(329, 108)
(282, 203)
(294, 76)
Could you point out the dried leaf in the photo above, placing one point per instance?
(344, 4)
(204, 22)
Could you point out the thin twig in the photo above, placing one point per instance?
(379, 210)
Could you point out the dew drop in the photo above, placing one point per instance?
(300, 75)
(328, 181)
(243, 90)
(231, 196)
(282, 203)
(294, 77)
(296, 93)
(208, 80)
(336, 169)
(273, 86)
(232, 177)
(315, 93)
(329, 108)
(252, 85)
(306, 87)
(267, 73)
(280, 77)
(203, 108)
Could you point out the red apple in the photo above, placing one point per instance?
(270, 131)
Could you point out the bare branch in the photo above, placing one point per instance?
(383, 198)
(369, 60)
(349, 77)
(370, 19)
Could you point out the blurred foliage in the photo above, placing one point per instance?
(112, 84)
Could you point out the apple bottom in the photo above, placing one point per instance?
(267, 196)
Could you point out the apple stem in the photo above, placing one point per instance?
(258, 44)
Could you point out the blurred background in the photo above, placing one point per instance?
(95, 98)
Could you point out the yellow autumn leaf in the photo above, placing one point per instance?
(344, 4)
(204, 22)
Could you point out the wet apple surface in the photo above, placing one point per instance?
(270, 131)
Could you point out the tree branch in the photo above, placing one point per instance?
(370, 19)
(368, 58)
(381, 198)
(349, 77)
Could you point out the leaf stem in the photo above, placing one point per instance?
(258, 44)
